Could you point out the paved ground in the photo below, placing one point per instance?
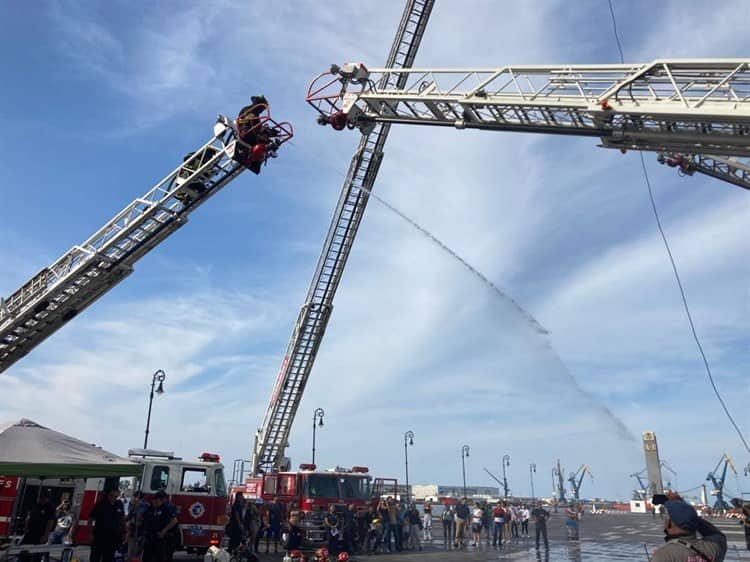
(603, 538)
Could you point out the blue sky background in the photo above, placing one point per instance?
(100, 101)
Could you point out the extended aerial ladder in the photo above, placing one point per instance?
(576, 479)
(718, 482)
(59, 292)
(694, 113)
(272, 436)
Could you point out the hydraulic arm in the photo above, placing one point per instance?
(271, 438)
(84, 273)
(696, 112)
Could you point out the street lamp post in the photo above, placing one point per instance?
(464, 454)
(506, 462)
(532, 470)
(159, 377)
(317, 421)
(408, 440)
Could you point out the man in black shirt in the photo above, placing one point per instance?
(40, 522)
(333, 526)
(160, 526)
(540, 516)
(108, 516)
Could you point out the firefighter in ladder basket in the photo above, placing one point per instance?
(257, 139)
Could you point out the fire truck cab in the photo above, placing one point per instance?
(196, 488)
(313, 492)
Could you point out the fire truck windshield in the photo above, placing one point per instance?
(337, 487)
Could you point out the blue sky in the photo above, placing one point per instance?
(100, 101)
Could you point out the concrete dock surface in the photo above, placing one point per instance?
(627, 536)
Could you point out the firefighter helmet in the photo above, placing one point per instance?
(343, 557)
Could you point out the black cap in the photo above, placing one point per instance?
(160, 495)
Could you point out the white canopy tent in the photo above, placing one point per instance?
(32, 450)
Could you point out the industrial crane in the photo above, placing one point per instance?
(641, 493)
(720, 504)
(576, 479)
(272, 437)
(665, 464)
(557, 482)
(59, 292)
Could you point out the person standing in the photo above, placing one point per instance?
(514, 520)
(348, 528)
(462, 516)
(744, 506)
(333, 527)
(681, 528)
(108, 516)
(498, 522)
(275, 516)
(448, 519)
(250, 523)
(160, 526)
(234, 529)
(40, 521)
(364, 520)
(427, 520)
(540, 516)
(136, 511)
(476, 525)
(415, 522)
(525, 515)
(64, 525)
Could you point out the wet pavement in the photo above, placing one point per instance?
(614, 537)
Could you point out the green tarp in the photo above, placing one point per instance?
(31, 450)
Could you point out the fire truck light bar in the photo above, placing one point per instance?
(307, 466)
(210, 457)
(360, 469)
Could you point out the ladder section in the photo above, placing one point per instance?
(272, 437)
(733, 170)
(61, 291)
(681, 106)
(87, 271)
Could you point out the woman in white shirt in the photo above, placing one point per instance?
(476, 525)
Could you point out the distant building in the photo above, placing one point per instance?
(434, 491)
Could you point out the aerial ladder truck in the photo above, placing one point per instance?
(694, 113)
(576, 480)
(61, 291)
(271, 439)
(718, 482)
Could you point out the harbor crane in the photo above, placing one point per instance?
(576, 479)
(640, 493)
(557, 482)
(718, 482)
(61, 291)
(664, 464)
(503, 483)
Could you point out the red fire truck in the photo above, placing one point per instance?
(196, 488)
(314, 491)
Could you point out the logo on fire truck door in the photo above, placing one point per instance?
(197, 510)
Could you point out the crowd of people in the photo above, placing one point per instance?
(149, 530)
